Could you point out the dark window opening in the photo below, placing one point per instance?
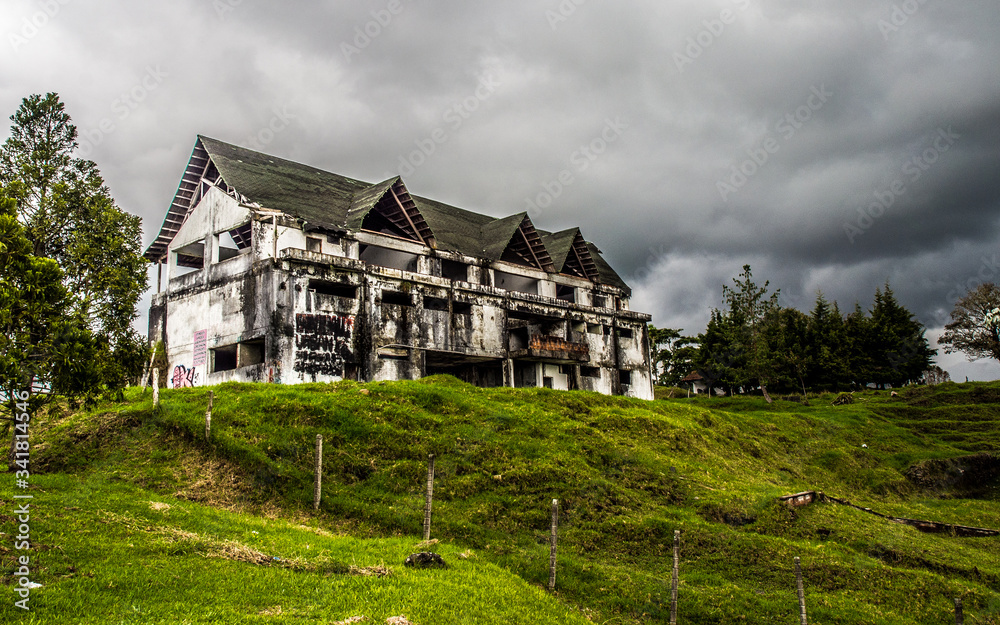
(461, 308)
(453, 270)
(314, 244)
(333, 239)
(546, 382)
(385, 257)
(625, 333)
(600, 301)
(607, 330)
(566, 293)
(396, 298)
(518, 339)
(594, 328)
(224, 358)
(435, 303)
(333, 289)
(590, 372)
(625, 377)
(374, 221)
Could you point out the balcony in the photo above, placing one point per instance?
(554, 349)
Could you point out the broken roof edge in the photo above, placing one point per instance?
(497, 232)
(158, 247)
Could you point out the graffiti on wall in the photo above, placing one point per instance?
(323, 344)
(184, 377)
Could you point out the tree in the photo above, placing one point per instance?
(69, 216)
(788, 337)
(752, 310)
(828, 347)
(973, 330)
(719, 358)
(672, 355)
(899, 350)
(41, 347)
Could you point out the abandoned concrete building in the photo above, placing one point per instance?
(280, 272)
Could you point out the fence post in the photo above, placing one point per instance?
(318, 487)
(430, 497)
(156, 387)
(674, 580)
(959, 615)
(553, 540)
(208, 417)
(802, 594)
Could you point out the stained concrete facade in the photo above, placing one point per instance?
(369, 283)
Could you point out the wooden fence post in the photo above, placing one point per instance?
(429, 498)
(156, 387)
(674, 580)
(959, 615)
(553, 540)
(802, 594)
(318, 487)
(208, 417)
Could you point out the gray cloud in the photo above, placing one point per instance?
(360, 85)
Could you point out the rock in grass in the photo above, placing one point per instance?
(425, 559)
(843, 399)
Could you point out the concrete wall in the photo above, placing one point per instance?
(281, 313)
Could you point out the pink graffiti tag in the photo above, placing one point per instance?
(183, 377)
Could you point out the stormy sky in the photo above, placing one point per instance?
(833, 145)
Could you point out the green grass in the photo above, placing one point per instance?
(627, 474)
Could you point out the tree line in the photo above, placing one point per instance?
(754, 343)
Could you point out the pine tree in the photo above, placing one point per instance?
(751, 311)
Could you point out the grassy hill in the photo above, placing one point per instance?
(139, 520)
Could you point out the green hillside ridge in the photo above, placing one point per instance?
(627, 473)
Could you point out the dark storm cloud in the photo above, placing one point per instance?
(818, 116)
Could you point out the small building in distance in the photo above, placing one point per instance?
(270, 270)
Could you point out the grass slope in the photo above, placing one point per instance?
(627, 474)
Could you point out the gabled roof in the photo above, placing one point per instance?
(605, 274)
(570, 253)
(328, 201)
(391, 201)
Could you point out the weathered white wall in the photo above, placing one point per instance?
(216, 212)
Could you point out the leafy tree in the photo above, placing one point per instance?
(752, 310)
(672, 355)
(42, 348)
(69, 216)
(973, 330)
